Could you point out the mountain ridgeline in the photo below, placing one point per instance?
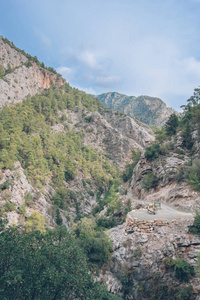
(70, 172)
(148, 110)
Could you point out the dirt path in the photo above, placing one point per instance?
(166, 212)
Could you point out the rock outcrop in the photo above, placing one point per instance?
(149, 110)
(22, 79)
(142, 256)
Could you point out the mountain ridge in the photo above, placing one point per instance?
(148, 110)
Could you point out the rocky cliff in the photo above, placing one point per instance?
(149, 110)
(69, 143)
(21, 76)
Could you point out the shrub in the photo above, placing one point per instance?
(169, 263)
(104, 222)
(96, 244)
(149, 181)
(183, 270)
(35, 222)
(152, 152)
(28, 199)
(9, 206)
(195, 228)
(5, 185)
(22, 209)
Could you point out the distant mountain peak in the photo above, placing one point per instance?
(148, 110)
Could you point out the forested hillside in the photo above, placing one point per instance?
(62, 157)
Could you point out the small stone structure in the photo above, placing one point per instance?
(145, 226)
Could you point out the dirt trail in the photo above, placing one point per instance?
(167, 212)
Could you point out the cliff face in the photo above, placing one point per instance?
(149, 110)
(140, 257)
(22, 77)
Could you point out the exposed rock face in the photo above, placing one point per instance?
(22, 81)
(18, 189)
(115, 135)
(170, 189)
(142, 255)
(149, 110)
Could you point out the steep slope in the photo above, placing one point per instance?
(22, 75)
(149, 110)
(168, 171)
(61, 150)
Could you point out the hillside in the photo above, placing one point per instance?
(67, 160)
(22, 75)
(149, 110)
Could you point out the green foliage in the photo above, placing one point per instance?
(5, 185)
(195, 228)
(128, 206)
(22, 209)
(183, 270)
(187, 140)
(106, 222)
(28, 198)
(26, 135)
(162, 291)
(63, 197)
(169, 263)
(96, 244)
(9, 206)
(193, 174)
(152, 152)
(36, 221)
(59, 220)
(149, 181)
(171, 125)
(197, 266)
(2, 71)
(45, 266)
(127, 282)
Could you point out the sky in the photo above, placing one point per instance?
(133, 47)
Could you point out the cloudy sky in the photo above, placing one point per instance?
(135, 47)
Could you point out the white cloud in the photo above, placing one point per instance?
(43, 38)
(87, 90)
(67, 72)
(108, 80)
(88, 58)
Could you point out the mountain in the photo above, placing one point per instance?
(22, 75)
(67, 160)
(148, 110)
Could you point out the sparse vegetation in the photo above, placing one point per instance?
(149, 181)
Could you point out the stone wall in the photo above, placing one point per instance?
(145, 226)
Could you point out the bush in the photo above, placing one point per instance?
(35, 222)
(5, 185)
(108, 223)
(149, 181)
(152, 152)
(28, 199)
(22, 209)
(96, 244)
(9, 206)
(195, 228)
(183, 270)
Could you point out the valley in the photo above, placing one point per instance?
(75, 182)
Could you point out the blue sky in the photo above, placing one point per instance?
(135, 47)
